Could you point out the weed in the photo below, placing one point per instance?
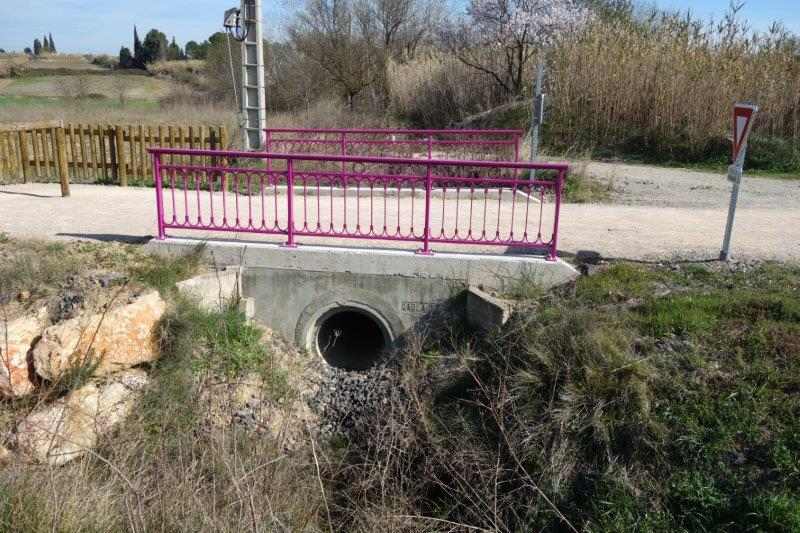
(163, 273)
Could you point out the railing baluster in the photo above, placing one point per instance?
(290, 203)
(426, 242)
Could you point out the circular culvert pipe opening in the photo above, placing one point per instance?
(351, 339)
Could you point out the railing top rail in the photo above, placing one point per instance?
(522, 165)
(397, 131)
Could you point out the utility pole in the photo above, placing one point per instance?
(246, 26)
(537, 111)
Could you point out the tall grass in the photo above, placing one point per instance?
(667, 84)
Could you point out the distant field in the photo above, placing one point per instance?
(63, 62)
(135, 87)
(57, 104)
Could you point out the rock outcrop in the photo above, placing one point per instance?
(66, 429)
(6, 457)
(16, 339)
(107, 343)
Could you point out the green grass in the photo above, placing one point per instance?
(163, 273)
(90, 104)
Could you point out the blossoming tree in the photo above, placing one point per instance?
(502, 37)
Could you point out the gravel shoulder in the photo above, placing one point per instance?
(676, 187)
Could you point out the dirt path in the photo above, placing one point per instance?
(623, 231)
(675, 187)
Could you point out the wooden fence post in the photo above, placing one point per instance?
(223, 137)
(120, 153)
(63, 164)
(23, 153)
(223, 141)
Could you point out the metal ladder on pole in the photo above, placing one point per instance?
(254, 96)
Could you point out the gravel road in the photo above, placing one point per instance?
(660, 230)
(675, 187)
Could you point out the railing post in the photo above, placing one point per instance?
(430, 150)
(290, 206)
(559, 187)
(344, 153)
(268, 149)
(159, 182)
(426, 240)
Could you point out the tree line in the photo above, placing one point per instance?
(46, 45)
(155, 47)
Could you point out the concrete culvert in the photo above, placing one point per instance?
(350, 339)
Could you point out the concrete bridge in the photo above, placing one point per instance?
(348, 303)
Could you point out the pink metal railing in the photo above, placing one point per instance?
(501, 144)
(448, 202)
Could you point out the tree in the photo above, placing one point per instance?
(501, 37)
(174, 52)
(37, 47)
(195, 50)
(126, 60)
(611, 9)
(333, 35)
(402, 24)
(224, 79)
(52, 44)
(154, 47)
(138, 60)
(28, 50)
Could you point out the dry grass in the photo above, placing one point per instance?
(171, 68)
(329, 113)
(669, 81)
(184, 108)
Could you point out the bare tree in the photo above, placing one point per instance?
(402, 24)
(333, 35)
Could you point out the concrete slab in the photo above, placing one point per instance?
(486, 312)
(498, 273)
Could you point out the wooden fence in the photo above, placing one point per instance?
(94, 153)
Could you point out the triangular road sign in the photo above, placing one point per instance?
(742, 124)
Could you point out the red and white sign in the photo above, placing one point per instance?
(742, 124)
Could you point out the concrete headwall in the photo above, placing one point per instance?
(292, 288)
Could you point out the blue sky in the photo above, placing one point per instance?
(103, 26)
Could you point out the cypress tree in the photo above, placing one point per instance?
(52, 44)
(37, 47)
(138, 59)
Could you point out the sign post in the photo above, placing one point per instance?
(743, 115)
